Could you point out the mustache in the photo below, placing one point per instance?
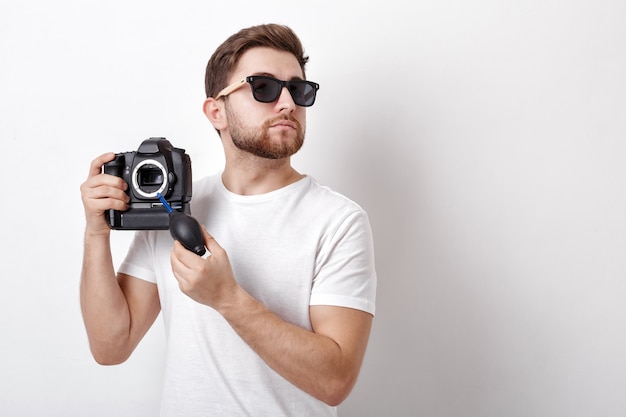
(287, 118)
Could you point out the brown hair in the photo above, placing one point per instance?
(226, 56)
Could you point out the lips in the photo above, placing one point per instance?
(283, 123)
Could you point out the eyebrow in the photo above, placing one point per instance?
(268, 74)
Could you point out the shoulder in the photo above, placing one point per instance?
(204, 187)
(335, 213)
(205, 184)
(331, 200)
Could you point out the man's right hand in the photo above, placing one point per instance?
(101, 192)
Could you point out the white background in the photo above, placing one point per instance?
(486, 140)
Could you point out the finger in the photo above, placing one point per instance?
(96, 165)
(97, 193)
(103, 188)
(103, 204)
(185, 258)
(174, 258)
(209, 241)
(177, 264)
(179, 270)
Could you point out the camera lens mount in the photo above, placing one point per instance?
(149, 178)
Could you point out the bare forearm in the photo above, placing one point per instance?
(104, 307)
(324, 362)
(313, 362)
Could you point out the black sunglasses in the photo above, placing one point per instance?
(267, 89)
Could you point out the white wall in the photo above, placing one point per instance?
(486, 139)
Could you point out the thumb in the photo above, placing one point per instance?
(209, 241)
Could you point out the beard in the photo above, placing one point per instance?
(258, 141)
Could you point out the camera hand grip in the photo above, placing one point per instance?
(187, 231)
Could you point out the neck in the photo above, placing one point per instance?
(254, 175)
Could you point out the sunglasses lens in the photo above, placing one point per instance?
(266, 90)
(302, 92)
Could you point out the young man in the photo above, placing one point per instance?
(275, 322)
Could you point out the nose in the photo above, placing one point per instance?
(285, 101)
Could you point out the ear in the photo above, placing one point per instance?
(214, 111)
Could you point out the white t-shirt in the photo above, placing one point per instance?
(298, 246)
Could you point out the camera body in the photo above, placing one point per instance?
(155, 168)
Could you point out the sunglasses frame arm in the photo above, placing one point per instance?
(227, 90)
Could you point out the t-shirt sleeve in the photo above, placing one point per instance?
(138, 261)
(345, 272)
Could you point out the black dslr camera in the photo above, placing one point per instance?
(155, 168)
